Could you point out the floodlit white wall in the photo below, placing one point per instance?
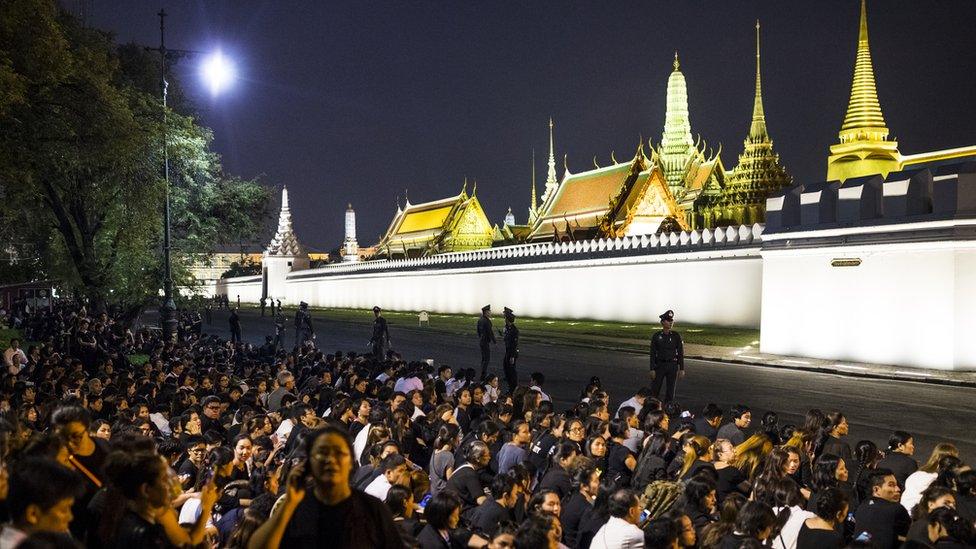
(716, 287)
(911, 304)
(247, 287)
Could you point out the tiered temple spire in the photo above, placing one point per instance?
(759, 172)
(677, 146)
(551, 181)
(534, 204)
(864, 147)
(285, 242)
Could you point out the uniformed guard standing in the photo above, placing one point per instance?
(380, 339)
(303, 324)
(263, 302)
(485, 336)
(511, 350)
(667, 358)
(235, 326)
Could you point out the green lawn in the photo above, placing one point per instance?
(616, 334)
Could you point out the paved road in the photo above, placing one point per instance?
(933, 413)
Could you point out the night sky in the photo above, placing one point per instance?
(355, 102)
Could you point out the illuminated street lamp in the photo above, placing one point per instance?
(218, 72)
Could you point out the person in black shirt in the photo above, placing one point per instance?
(465, 481)
(235, 326)
(667, 358)
(139, 497)
(824, 530)
(586, 484)
(303, 325)
(557, 478)
(487, 517)
(901, 448)
(486, 336)
(882, 517)
(320, 509)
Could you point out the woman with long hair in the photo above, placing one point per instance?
(712, 534)
(319, 505)
(931, 499)
(917, 482)
(866, 458)
(596, 449)
(442, 462)
(598, 515)
(833, 439)
(138, 510)
(783, 496)
(699, 501)
(621, 462)
(698, 456)
(829, 471)
(824, 530)
(750, 455)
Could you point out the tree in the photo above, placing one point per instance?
(81, 158)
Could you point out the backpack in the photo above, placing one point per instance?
(650, 467)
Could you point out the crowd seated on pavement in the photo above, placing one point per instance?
(114, 438)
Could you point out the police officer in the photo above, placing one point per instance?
(485, 336)
(380, 339)
(667, 358)
(511, 338)
(235, 326)
(303, 324)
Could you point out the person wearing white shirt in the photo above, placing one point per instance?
(14, 358)
(394, 471)
(791, 529)
(637, 401)
(917, 482)
(621, 531)
(537, 380)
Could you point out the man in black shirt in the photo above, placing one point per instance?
(667, 358)
(235, 326)
(493, 511)
(303, 325)
(485, 336)
(882, 516)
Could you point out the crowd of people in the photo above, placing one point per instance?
(111, 437)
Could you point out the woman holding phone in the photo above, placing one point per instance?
(320, 509)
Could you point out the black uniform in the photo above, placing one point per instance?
(303, 326)
(511, 355)
(485, 337)
(380, 338)
(667, 357)
(279, 340)
(235, 327)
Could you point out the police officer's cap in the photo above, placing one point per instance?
(668, 315)
(486, 308)
(303, 304)
(377, 309)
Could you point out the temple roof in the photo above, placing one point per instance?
(452, 223)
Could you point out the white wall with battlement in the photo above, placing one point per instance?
(708, 277)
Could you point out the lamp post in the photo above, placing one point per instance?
(218, 71)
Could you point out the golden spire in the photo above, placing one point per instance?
(676, 65)
(864, 147)
(758, 128)
(863, 119)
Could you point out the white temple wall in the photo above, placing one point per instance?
(248, 288)
(911, 304)
(702, 288)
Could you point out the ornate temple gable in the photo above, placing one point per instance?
(470, 228)
(642, 207)
(449, 224)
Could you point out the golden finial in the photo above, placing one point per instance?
(474, 189)
(676, 64)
